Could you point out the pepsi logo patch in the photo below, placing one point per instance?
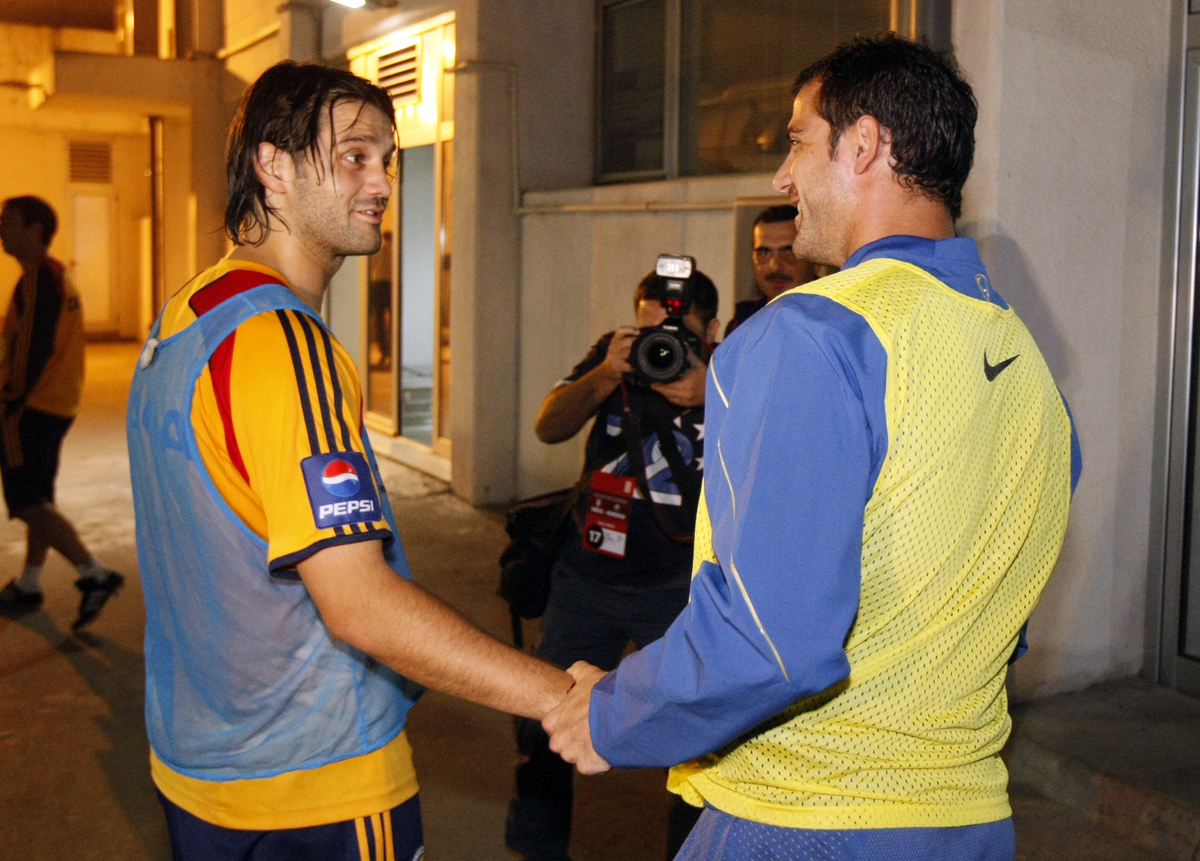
(340, 479)
(340, 489)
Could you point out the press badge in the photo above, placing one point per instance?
(607, 522)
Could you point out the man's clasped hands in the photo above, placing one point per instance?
(567, 723)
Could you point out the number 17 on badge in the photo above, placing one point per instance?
(607, 522)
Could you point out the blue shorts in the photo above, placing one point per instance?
(717, 836)
(394, 835)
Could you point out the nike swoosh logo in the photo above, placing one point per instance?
(992, 371)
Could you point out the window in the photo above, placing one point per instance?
(696, 87)
(631, 105)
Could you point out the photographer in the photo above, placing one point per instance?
(626, 580)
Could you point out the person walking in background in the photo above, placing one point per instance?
(41, 381)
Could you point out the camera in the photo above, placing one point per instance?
(660, 353)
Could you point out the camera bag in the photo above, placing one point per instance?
(536, 528)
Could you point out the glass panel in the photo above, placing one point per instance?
(443, 379)
(1188, 631)
(1189, 615)
(632, 81)
(381, 346)
(418, 324)
(739, 59)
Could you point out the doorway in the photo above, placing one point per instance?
(94, 259)
(405, 286)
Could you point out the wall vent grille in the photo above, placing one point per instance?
(400, 73)
(90, 161)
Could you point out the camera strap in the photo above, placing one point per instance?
(687, 482)
(685, 479)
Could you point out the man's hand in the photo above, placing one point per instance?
(688, 390)
(567, 723)
(619, 347)
(568, 408)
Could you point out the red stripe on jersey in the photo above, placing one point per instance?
(238, 281)
(220, 367)
(221, 364)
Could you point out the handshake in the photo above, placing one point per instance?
(567, 723)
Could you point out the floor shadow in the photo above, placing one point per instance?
(116, 675)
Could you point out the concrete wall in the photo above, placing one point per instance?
(197, 98)
(1066, 201)
(254, 40)
(554, 93)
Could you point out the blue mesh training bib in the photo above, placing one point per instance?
(243, 680)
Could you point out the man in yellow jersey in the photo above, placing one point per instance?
(285, 641)
(41, 382)
(895, 472)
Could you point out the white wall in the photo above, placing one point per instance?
(1066, 201)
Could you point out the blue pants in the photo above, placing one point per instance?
(585, 620)
(193, 839)
(718, 836)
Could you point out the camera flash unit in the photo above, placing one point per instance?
(674, 266)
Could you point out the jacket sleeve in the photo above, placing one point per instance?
(795, 436)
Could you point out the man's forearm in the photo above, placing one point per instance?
(368, 605)
(568, 408)
(442, 650)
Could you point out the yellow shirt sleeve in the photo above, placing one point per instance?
(278, 419)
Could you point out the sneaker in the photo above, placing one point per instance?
(17, 602)
(95, 595)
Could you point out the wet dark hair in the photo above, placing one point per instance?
(285, 107)
(34, 210)
(653, 288)
(776, 215)
(917, 94)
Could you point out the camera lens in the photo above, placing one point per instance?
(659, 356)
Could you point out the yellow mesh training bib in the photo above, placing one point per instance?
(960, 533)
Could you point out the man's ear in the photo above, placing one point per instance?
(711, 330)
(868, 142)
(274, 168)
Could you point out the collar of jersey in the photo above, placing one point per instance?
(955, 262)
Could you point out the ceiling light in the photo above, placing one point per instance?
(353, 4)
